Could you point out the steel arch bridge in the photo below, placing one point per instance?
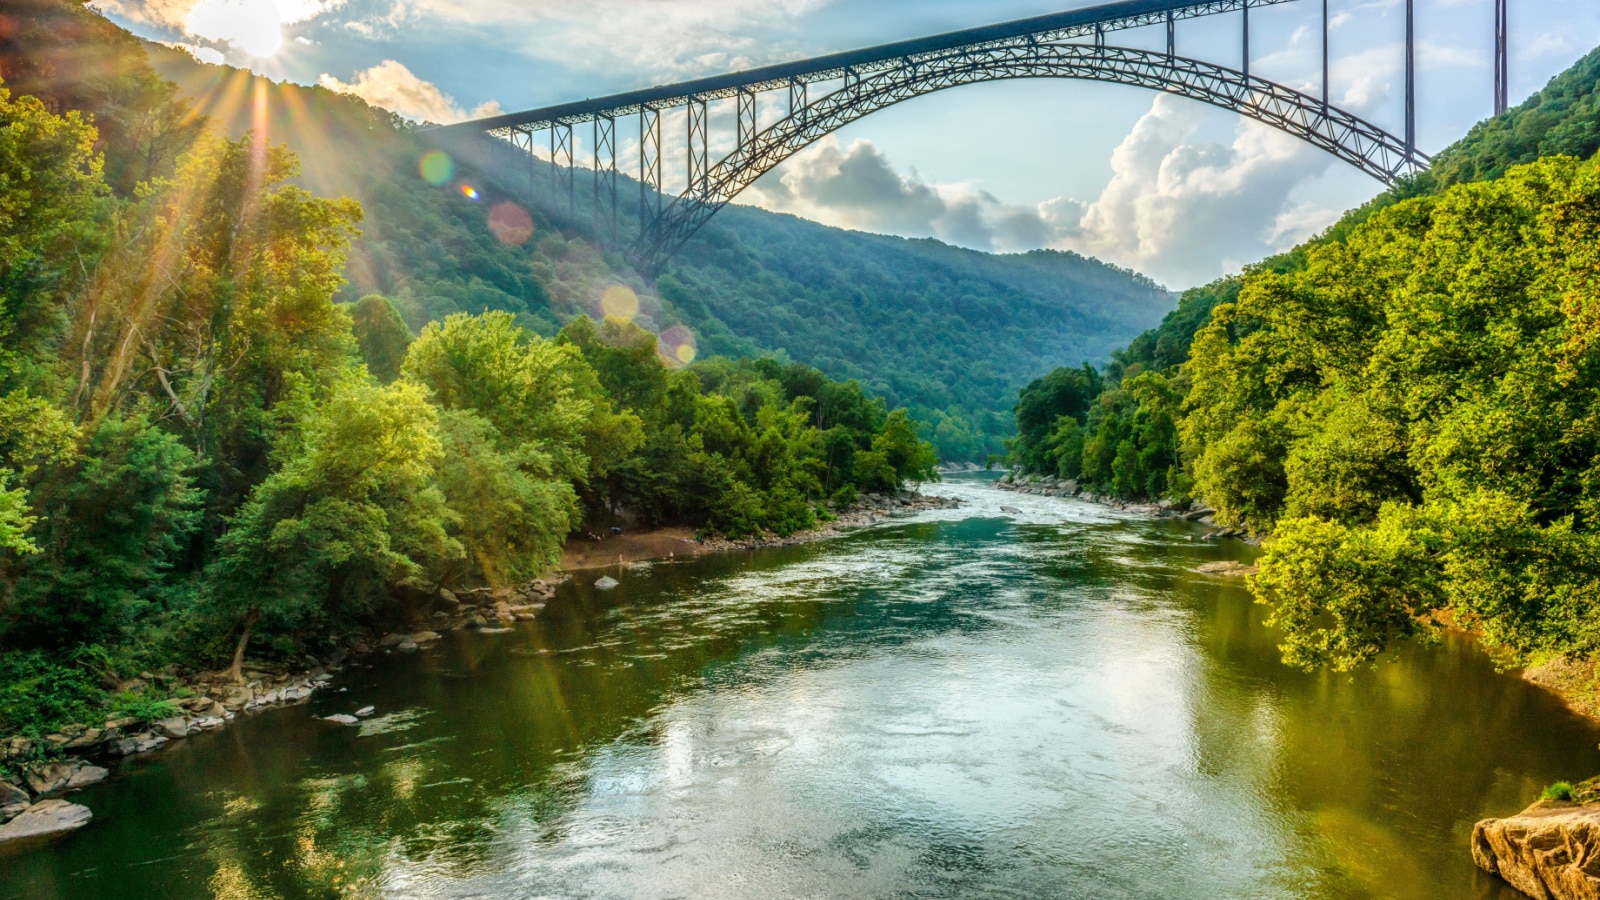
(859, 83)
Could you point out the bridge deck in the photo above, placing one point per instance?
(1056, 26)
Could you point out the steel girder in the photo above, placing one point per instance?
(1345, 135)
(1089, 22)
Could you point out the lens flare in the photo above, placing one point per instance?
(469, 192)
(677, 344)
(620, 302)
(510, 224)
(436, 167)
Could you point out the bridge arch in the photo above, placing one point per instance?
(1343, 134)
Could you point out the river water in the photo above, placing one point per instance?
(967, 703)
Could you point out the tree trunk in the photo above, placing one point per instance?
(237, 671)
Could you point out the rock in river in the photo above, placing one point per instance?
(607, 583)
(341, 719)
(48, 779)
(46, 818)
(175, 727)
(86, 776)
(1549, 851)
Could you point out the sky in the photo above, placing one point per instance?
(1178, 190)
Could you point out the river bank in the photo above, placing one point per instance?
(36, 773)
(967, 706)
(1576, 683)
(599, 552)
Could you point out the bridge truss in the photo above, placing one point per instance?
(858, 83)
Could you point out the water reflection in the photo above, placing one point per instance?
(973, 703)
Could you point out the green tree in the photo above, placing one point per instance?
(116, 521)
(51, 189)
(352, 511)
(381, 334)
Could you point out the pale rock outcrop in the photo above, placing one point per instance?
(173, 728)
(48, 817)
(1549, 851)
(86, 776)
(48, 779)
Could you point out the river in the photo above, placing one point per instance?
(966, 703)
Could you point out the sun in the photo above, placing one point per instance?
(254, 26)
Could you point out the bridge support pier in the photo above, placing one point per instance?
(1502, 86)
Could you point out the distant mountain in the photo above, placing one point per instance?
(950, 333)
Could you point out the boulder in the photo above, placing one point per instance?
(1549, 851)
(408, 646)
(392, 640)
(424, 637)
(175, 727)
(140, 743)
(11, 795)
(12, 810)
(86, 776)
(341, 719)
(1228, 569)
(50, 778)
(607, 583)
(365, 711)
(49, 817)
(90, 738)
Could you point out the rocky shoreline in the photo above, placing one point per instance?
(1549, 851)
(870, 510)
(1051, 486)
(40, 772)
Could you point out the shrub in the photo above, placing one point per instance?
(1561, 791)
(37, 696)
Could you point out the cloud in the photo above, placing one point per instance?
(1182, 211)
(392, 86)
(661, 37)
(858, 187)
(253, 26)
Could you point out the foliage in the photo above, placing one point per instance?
(512, 514)
(382, 336)
(1064, 393)
(144, 706)
(121, 517)
(1563, 119)
(50, 187)
(1416, 416)
(38, 694)
(351, 510)
(1560, 791)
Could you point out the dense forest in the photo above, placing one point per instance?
(204, 453)
(1406, 408)
(951, 334)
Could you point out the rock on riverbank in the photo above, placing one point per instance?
(1549, 851)
(1051, 486)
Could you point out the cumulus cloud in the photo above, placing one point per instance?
(858, 187)
(1186, 212)
(394, 87)
(1180, 210)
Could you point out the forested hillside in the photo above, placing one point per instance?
(950, 333)
(202, 453)
(1405, 407)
